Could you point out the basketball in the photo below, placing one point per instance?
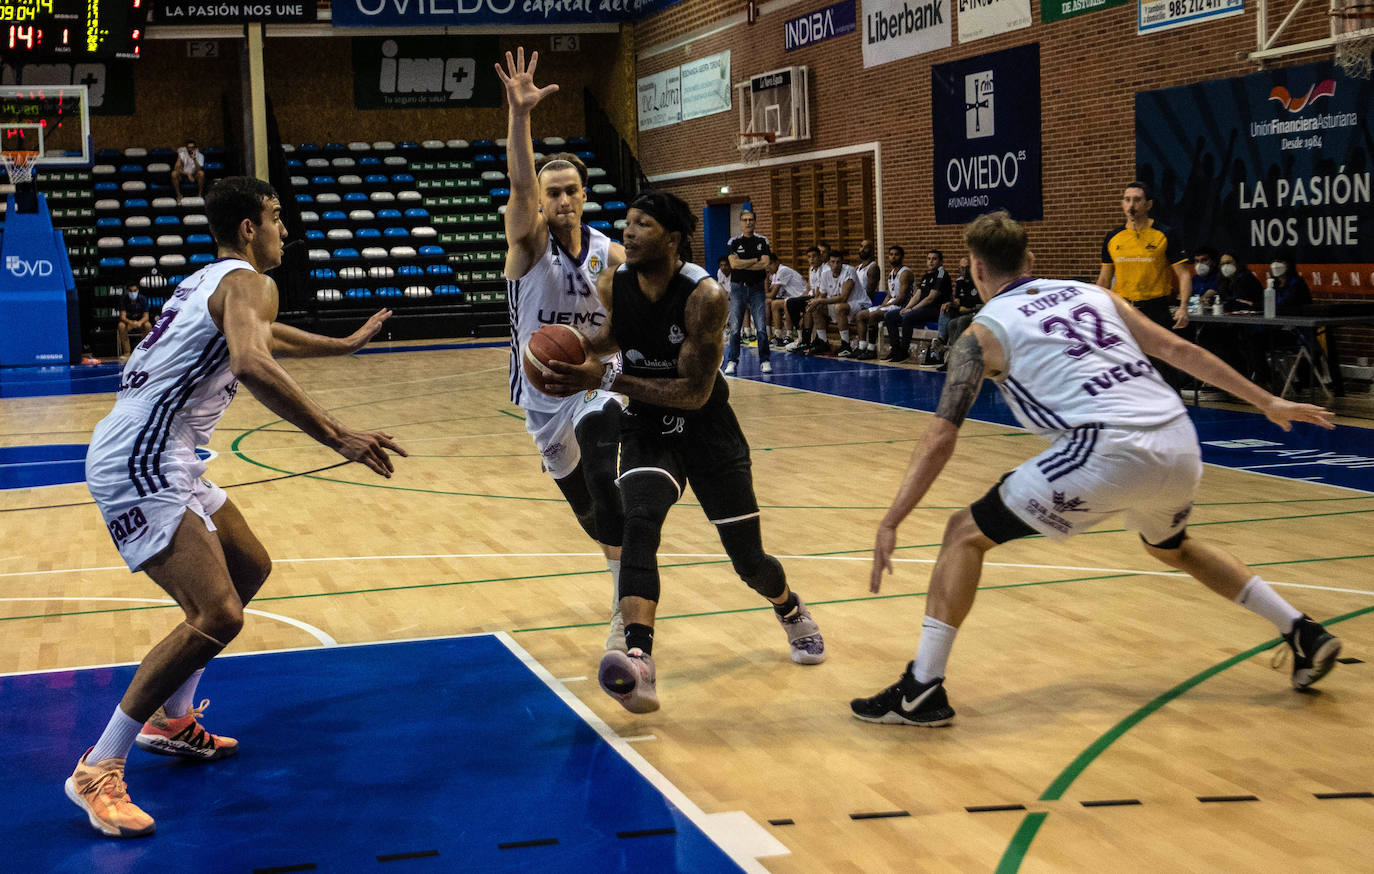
(551, 343)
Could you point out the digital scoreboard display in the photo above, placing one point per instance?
(71, 28)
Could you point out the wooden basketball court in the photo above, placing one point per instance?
(1111, 715)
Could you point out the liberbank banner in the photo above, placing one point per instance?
(896, 29)
(462, 13)
(985, 117)
(1275, 160)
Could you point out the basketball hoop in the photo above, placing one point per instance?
(19, 165)
(1352, 32)
(753, 146)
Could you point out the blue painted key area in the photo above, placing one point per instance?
(59, 379)
(449, 746)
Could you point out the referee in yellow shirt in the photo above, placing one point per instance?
(1139, 256)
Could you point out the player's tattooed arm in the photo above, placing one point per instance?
(965, 378)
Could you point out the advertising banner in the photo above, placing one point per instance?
(985, 119)
(1165, 14)
(1275, 160)
(208, 12)
(837, 19)
(705, 85)
(1058, 10)
(984, 18)
(660, 99)
(403, 72)
(466, 13)
(896, 29)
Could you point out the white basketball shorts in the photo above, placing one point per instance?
(1148, 476)
(554, 435)
(142, 495)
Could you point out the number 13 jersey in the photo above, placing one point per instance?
(1071, 360)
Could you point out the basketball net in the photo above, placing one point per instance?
(753, 146)
(19, 165)
(1352, 31)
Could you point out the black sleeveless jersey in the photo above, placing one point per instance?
(650, 334)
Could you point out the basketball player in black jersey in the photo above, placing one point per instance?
(667, 315)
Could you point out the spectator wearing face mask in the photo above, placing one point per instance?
(1205, 274)
(1236, 286)
(1290, 289)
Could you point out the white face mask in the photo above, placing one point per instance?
(1228, 270)
(1278, 269)
(1202, 269)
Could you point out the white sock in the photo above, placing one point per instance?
(932, 652)
(1260, 599)
(844, 336)
(613, 565)
(117, 739)
(820, 335)
(180, 702)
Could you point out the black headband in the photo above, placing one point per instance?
(663, 212)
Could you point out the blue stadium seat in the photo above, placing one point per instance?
(131, 168)
(389, 291)
(586, 156)
(167, 220)
(484, 144)
(112, 262)
(355, 197)
(369, 234)
(308, 147)
(403, 178)
(346, 254)
(214, 166)
(358, 293)
(334, 215)
(388, 213)
(165, 152)
(408, 145)
(448, 291)
(304, 198)
(136, 203)
(321, 180)
(397, 232)
(140, 240)
(335, 147)
(369, 161)
(484, 158)
(108, 156)
(294, 162)
(417, 212)
(437, 269)
(200, 258)
(499, 192)
(376, 179)
(109, 222)
(199, 240)
(314, 234)
(410, 270)
(106, 186)
(601, 225)
(323, 273)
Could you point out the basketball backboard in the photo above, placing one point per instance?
(52, 120)
(776, 102)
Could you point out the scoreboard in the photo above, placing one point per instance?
(75, 29)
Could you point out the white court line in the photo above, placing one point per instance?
(706, 555)
(322, 637)
(640, 737)
(736, 834)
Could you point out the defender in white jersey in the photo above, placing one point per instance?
(1071, 360)
(216, 332)
(552, 264)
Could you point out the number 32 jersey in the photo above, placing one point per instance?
(178, 378)
(1071, 360)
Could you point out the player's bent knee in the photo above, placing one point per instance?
(1169, 551)
(220, 622)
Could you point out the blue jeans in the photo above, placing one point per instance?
(752, 298)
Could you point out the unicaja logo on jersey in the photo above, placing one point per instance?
(978, 105)
(675, 335)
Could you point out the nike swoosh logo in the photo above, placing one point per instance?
(911, 705)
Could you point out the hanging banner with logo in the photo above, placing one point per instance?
(465, 13)
(1058, 10)
(896, 29)
(1274, 160)
(109, 84)
(1165, 14)
(837, 19)
(660, 99)
(984, 18)
(403, 72)
(705, 85)
(985, 119)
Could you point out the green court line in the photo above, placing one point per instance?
(512, 415)
(1021, 841)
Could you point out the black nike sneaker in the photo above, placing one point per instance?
(907, 702)
(1314, 651)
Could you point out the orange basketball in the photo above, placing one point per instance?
(550, 343)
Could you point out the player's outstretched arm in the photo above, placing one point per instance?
(289, 342)
(1196, 361)
(975, 355)
(243, 307)
(524, 224)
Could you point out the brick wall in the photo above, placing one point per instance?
(1090, 68)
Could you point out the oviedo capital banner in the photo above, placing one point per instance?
(464, 13)
(1275, 160)
(985, 117)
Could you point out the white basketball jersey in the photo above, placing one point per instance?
(894, 284)
(1071, 360)
(832, 285)
(558, 289)
(861, 278)
(180, 373)
(790, 281)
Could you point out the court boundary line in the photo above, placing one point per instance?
(675, 796)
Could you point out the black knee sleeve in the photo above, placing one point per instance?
(598, 436)
(743, 542)
(647, 498)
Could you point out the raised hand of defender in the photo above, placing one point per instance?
(359, 338)
(883, 545)
(1284, 413)
(521, 93)
(369, 448)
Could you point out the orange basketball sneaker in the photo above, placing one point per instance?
(184, 736)
(99, 790)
